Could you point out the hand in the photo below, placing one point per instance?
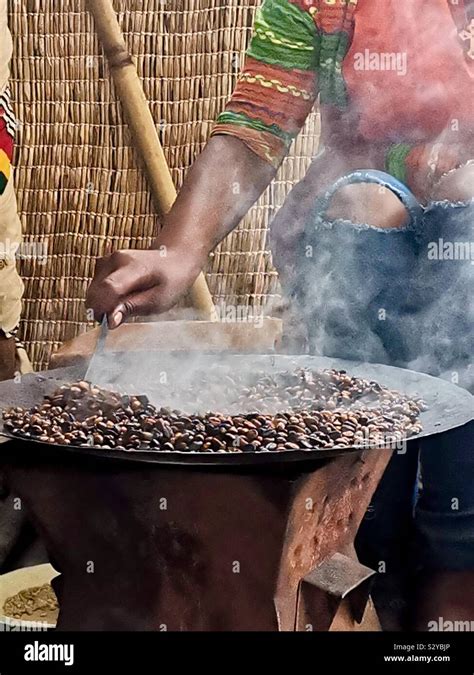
(130, 282)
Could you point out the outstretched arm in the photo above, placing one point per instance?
(221, 186)
(275, 92)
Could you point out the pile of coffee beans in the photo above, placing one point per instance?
(38, 603)
(315, 409)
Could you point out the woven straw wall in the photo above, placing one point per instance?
(80, 188)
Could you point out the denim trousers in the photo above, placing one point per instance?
(402, 297)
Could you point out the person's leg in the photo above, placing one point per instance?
(7, 357)
(383, 540)
(389, 294)
(444, 517)
(373, 205)
(355, 267)
(444, 522)
(455, 186)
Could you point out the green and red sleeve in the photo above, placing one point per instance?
(277, 87)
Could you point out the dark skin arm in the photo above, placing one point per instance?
(224, 182)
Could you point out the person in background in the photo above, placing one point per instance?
(11, 286)
(394, 80)
(16, 535)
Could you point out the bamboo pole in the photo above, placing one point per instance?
(132, 97)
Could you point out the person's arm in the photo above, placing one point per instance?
(221, 186)
(251, 137)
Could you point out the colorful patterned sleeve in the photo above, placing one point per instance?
(7, 135)
(277, 87)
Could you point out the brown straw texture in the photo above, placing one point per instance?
(81, 191)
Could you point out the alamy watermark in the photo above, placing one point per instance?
(449, 626)
(25, 250)
(381, 61)
(228, 313)
(8, 625)
(41, 652)
(451, 250)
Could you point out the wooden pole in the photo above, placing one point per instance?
(132, 97)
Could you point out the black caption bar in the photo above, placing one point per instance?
(144, 653)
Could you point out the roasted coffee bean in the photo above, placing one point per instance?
(291, 410)
(195, 446)
(294, 428)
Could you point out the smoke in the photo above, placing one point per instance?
(181, 364)
(383, 296)
(370, 287)
(366, 293)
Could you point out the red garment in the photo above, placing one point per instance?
(395, 79)
(437, 90)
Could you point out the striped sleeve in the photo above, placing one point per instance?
(8, 124)
(277, 87)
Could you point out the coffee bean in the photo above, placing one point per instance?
(216, 444)
(195, 446)
(284, 411)
(291, 446)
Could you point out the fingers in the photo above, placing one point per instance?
(150, 301)
(101, 265)
(115, 318)
(117, 277)
(130, 283)
(160, 297)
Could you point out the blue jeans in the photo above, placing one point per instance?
(405, 298)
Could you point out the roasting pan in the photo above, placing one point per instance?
(449, 406)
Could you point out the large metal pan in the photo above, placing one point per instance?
(448, 405)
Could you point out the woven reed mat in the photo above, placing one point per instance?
(81, 191)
